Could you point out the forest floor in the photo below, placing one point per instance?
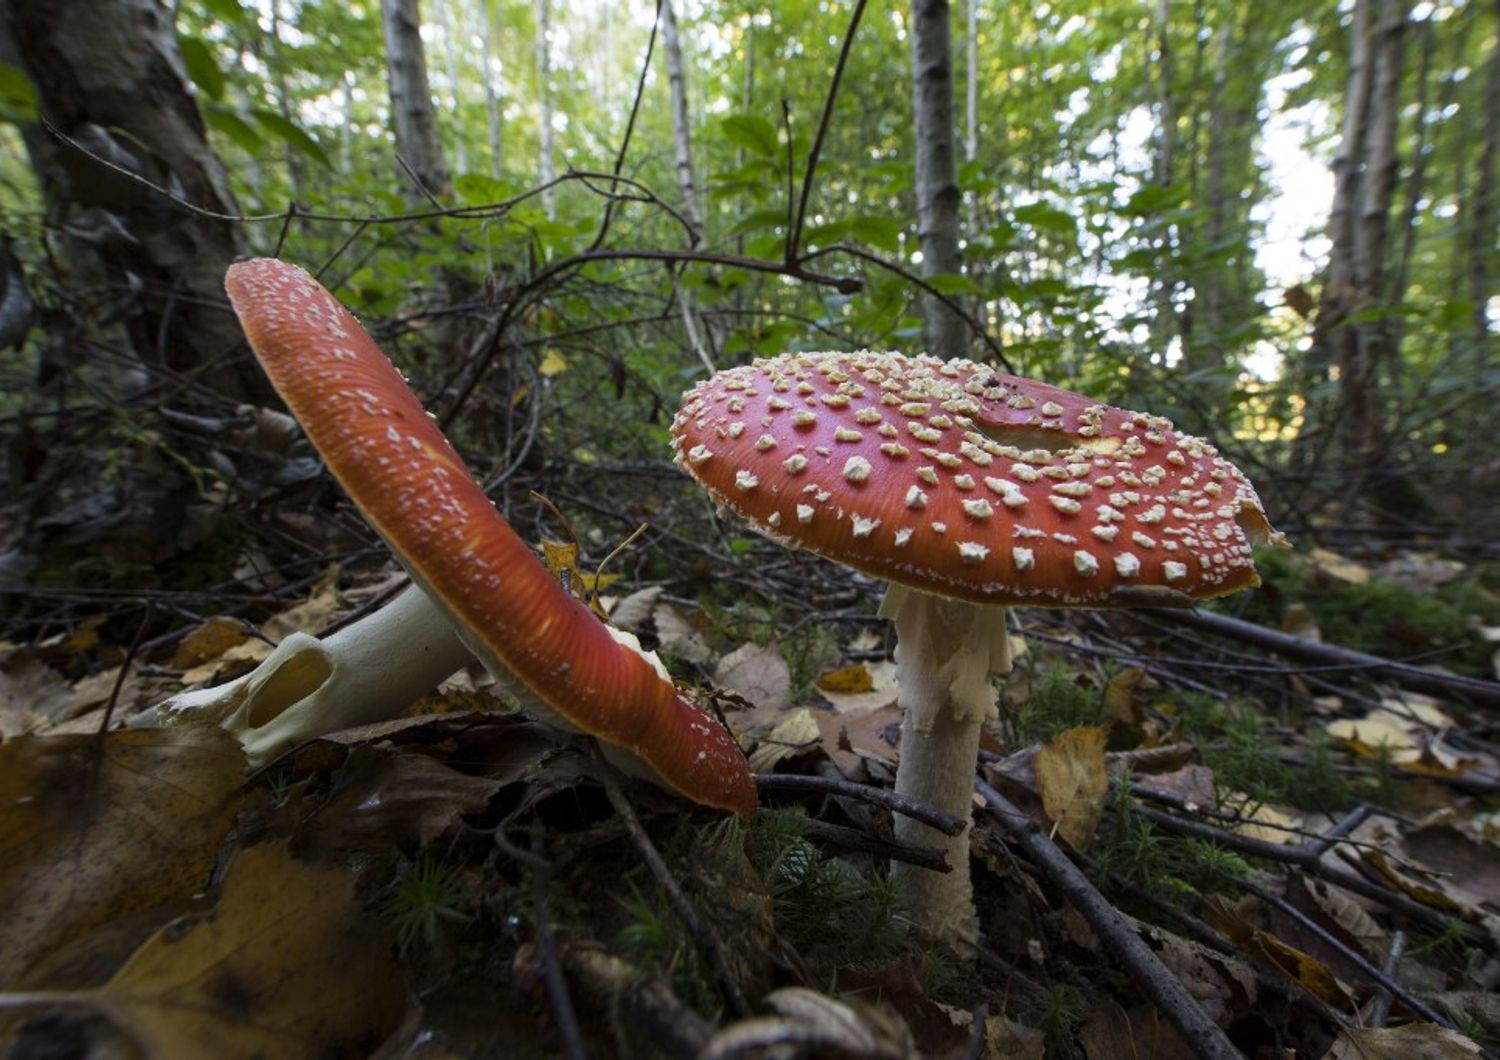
(1306, 841)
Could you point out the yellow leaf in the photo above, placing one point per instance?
(848, 679)
(287, 965)
(208, 642)
(553, 363)
(797, 734)
(93, 829)
(560, 556)
(1074, 783)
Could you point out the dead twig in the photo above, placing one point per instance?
(863, 843)
(1479, 693)
(1165, 990)
(546, 955)
(653, 859)
(946, 823)
(647, 1002)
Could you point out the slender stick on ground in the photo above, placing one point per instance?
(946, 823)
(648, 852)
(1165, 990)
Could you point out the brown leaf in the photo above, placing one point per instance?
(287, 965)
(1140, 1034)
(1315, 976)
(95, 829)
(881, 693)
(796, 734)
(1073, 783)
(383, 800)
(1414, 1041)
(208, 642)
(311, 614)
(757, 674)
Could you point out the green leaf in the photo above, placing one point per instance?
(755, 220)
(952, 283)
(201, 65)
(17, 95)
(751, 132)
(293, 134)
(823, 235)
(881, 232)
(223, 120)
(1044, 216)
(228, 10)
(768, 248)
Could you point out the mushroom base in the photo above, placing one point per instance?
(946, 652)
(366, 672)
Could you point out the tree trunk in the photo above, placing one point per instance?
(445, 22)
(544, 102)
(682, 137)
(938, 197)
(1484, 229)
(109, 74)
(1163, 167)
(493, 90)
(971, 103)
(412, 112)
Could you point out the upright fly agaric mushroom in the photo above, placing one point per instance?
(480, 584)
(968, 491)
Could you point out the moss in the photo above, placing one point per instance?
(1058, 698)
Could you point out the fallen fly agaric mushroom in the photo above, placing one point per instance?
(477, 585)
(968, 491)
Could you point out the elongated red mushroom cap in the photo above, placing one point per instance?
(414, 489)
(956, 479)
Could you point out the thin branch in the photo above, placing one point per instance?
(1151, 977)
(946, 823)
(794, 233)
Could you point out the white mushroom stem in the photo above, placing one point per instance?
(366, 672)
(946, 652)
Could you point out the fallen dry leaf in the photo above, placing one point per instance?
(288, 965)
(757, 674)
(311, 614)
(796, 734)
(1414, 1041)
(852, 678)
(1074, 783)
(1312, 974)
(882, 691)
(1111, 1033)
(93, 829)
(1337, 567)
(678, 637)
(209, 641)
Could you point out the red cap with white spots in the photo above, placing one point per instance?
(416, 492)
(956, 479)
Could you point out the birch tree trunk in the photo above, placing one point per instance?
(1484, 229)
(938, 197)
(971, 103)
(109, 74)
(544, 102)
(445, 22)
(494, 88)
(412, 112)
(1362, 358)
(682, 137)
(1164, 322)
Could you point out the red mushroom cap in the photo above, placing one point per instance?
(959, 480)
(414, 489)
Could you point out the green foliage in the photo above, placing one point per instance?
(827, 908)
(1130, 848)
(1057, 698)
(426, 898)
(1059, 1012)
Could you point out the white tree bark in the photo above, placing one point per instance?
(445, 22)
(938, 197)
(682, 137)
(544, 102)
(412, 112)
(494, 87)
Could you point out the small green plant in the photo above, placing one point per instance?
(825, 906)
(1059, 1011)
(1055, 702)
(425, 895)
(1130, 848)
